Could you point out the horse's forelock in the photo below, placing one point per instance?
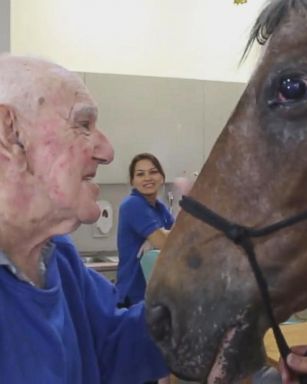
(269, 19)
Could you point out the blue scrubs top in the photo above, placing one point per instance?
(137, 220)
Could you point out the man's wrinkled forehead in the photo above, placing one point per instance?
(32, 85)
(66, 92)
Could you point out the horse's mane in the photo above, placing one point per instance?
(271, 16)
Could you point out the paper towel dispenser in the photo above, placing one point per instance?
(105, 222)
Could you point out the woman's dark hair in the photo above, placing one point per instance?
(145, 156)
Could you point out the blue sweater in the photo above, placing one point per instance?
(71, 332)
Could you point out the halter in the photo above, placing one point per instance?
(241, 236)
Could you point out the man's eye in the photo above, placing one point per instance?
(85, 124)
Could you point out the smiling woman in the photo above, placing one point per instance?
(143, 221)
(142, 218)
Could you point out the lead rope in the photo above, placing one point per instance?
(241, 236)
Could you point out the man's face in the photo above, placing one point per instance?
(64, 151)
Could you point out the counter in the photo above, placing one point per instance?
(104, 262)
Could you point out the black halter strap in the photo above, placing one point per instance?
(241, 236)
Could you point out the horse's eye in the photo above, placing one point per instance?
(291, 89)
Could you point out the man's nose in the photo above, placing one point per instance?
(103, 150)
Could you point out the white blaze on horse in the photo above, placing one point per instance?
(205, 306)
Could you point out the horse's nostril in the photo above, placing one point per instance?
(159, 321)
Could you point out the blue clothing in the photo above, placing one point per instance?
(137, 220)
(71, 332)
(266, 375)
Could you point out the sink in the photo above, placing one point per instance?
(100, 257)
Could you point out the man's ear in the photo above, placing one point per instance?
(9, 142)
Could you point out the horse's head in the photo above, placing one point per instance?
(203, 303)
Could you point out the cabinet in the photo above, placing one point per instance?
(178, 120)
(146, 114)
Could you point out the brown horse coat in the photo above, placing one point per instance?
(203, 303)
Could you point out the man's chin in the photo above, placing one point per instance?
(89, 215)
(93, 188)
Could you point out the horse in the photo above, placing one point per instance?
(203, 303)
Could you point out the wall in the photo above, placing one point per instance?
(176, 119)
(84, 238)
(164, 116)
(5, 26)
(200, 39)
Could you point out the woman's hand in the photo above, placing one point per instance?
(158, 238)
(296, 365)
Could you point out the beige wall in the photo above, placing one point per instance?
(4, 25)
(84, 238)
(200, 39)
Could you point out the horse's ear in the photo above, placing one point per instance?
(9, 140)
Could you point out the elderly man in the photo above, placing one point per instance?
(58, 320)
